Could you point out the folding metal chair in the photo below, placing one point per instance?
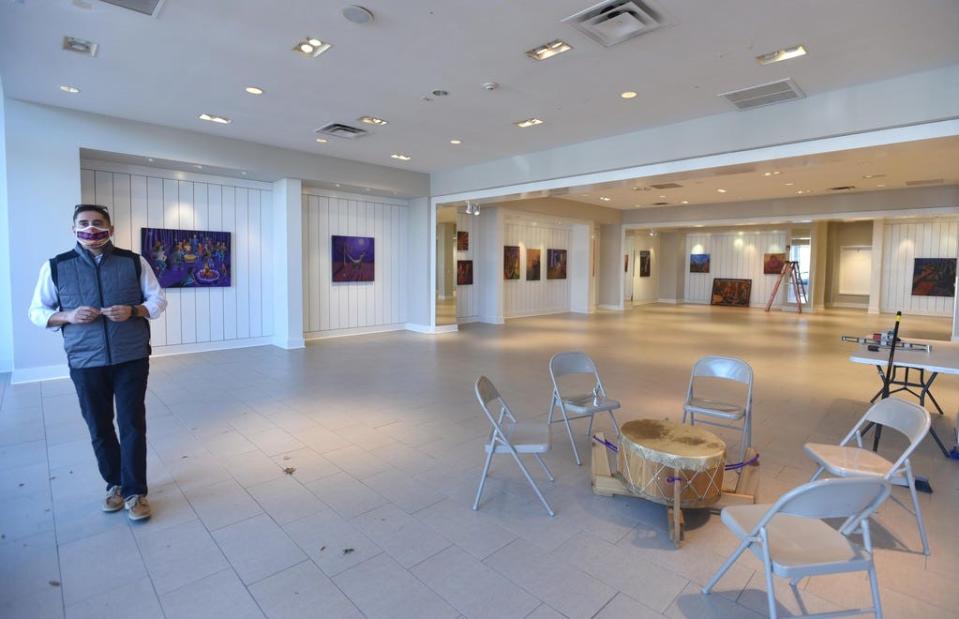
(844, 460)
(512, 437)
(578, 405)
(735, 416)
(793, 541)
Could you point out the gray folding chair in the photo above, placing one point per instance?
(844, 460)
(793, 541)
(512, 437)
(733, 415)
(578, 406)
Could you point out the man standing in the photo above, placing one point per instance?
(99, 297)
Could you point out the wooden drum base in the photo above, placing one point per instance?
(739, 488)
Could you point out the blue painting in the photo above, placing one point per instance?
(699, 263)
(353, 259)
(187, 258)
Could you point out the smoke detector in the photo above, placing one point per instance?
(490, 85)
(357, 14)
(614, 21)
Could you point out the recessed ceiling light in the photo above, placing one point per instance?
(150, 159)
(698, 225)
(321, 140)
(440, 93)
(790, 184)
(868, 176)
(662, 196)
(529, 122)
(254, 90)
(456, 141)
(197, 166)
(213, 118)
(773, 173)
(548, 50)
(69, 89)
(685, 202)
(311, 46)
(243, 172)
(880, 185)
(357, 14)
(401, 156)
(721, 190)
(373, 120)
(629, 94)
(782, 54)
(604, 198)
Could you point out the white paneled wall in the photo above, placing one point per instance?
(344, 308)
(203, 318)
(546, 296)
(735, 255)
(904, 242)
(467, 297)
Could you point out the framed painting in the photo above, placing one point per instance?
(699, 263)
(626, 263)
(511, 262)
(773, 263)
(353, 259)
(732, 292)
(464, 272)
(645, 263)
(555, 264)
(934, 277)
(187, 258)
(462, 240)
(533, 264)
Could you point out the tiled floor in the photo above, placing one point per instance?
(383, 438)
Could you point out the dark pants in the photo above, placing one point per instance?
(122, 463)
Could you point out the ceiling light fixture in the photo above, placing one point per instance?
(629, 94)
(312, 47)
(721, 190)
(652, 233)
(456, 141)
(790, 184)
(548, 50)
(81, 46)
(321, 140)
(472, 208)
(685, 202)
(373, 120)
(604, 198)
(773, 173)
(400, 156)
(213, 118)
(529, 122)
(868, 176)
(197, 166)
(440, 93)
(782, 54)
(254, 90)
(357, 14)
(69, 89)
(880, 185)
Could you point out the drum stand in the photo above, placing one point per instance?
(739, 487)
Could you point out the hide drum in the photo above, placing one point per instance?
(653, 451)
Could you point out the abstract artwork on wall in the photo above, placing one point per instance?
(511, 262)
(464, 272)
(187, 258)
(462, 240)
(734, 292)
(773, 263)
(645, 261)
(555, 264)
(626, 263)
(699, 263)
(934, 277)
(533, 263)
(353, 259)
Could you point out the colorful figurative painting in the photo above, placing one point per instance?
(699, 263)
(934, 277)
(645, 261)
(533, 263)
(462, 240)
(464, 272)
(187, 258)
(773, 263)
(734, 292)
(353, 259)
(555, 264)
(511, 262)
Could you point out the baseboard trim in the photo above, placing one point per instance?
(611, 308)
(429, 329)
(333, 333)
(670, 301)
(843, 305)
(645, 302)
(465, 320)
(546, 313)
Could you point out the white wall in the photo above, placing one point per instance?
(215, 317)
(902, 242)
(732, 255)
(345, 308)
(467, 297)
(644, 289)
(546, 296)
(6, 318)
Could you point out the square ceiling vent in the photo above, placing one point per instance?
(764, 94)
(614, 21)
(340, 130)
(146, 7)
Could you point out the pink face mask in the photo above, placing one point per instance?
(92, 236)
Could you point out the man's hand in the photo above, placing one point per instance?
(82, 315)
(117, 313)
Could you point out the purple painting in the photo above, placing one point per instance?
(353, 259)
(188, 258)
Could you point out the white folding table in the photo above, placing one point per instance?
(942, 358)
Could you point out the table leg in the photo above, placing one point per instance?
(927, 391)
(677, 510)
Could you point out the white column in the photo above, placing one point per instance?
(288, 263)
(488, 265)
(611, 267)
(875, 276)
(420, 277)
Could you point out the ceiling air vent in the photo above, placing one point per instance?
(764, 94)
(146, 7)
(667, 186)
(928, 181)
(842, 188)
(660, 203)
(615, 21)
(339, 130)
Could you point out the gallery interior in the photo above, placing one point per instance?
(637, 308)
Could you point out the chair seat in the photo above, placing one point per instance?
(797, 545)
(846, 461)
(526, 437)
(587, 404)
(714, 408)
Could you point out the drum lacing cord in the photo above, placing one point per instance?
(735, 466)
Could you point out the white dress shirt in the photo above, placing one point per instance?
(45, 304)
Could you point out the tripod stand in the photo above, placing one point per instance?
(790, 274)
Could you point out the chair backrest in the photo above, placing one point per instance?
(727, 368)
(487, 394)
(855, 497)
(565, 363)
(906, 417)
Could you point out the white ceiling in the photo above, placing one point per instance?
(198, 56)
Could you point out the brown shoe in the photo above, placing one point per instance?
(114, 500)
(138, 507)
